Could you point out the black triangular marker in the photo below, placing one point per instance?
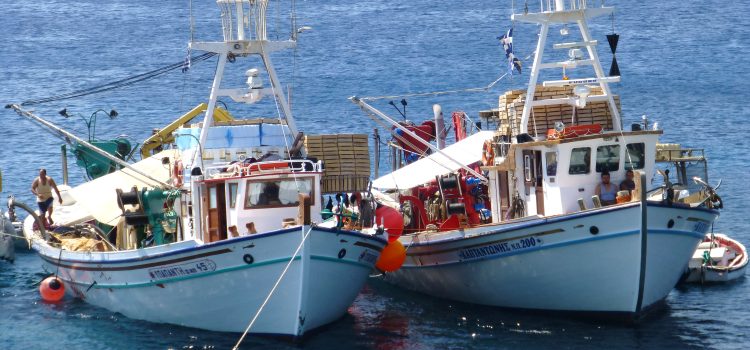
(612, 39)
(614, 71)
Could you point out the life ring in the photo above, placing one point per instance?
(177, 171)
(488, 153)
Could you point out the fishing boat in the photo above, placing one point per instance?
(718, 258)
(513, 217)
(219, 232)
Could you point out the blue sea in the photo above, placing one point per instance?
(684, 64)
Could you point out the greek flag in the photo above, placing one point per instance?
(507, 41)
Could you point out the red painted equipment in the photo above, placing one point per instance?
(425, 131)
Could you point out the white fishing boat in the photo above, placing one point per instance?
(511, 217)
(718, 258)
(220, 232)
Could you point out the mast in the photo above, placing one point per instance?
(243, 25)
(563, 12)
(244, 30)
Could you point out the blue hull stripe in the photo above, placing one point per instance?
(230, 269)
(690, 234)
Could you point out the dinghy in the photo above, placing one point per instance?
(718, 258)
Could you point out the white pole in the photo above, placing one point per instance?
(559, 5)
(439, 126)
(278, 90)
(534, 77)
(240, 20)
(209, 118)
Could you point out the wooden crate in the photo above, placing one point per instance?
(542, 118)
(346, 160)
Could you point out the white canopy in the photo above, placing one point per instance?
(467, 151)
(98, 197)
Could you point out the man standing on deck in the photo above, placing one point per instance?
(42, 189)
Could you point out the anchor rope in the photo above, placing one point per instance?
(133, 79)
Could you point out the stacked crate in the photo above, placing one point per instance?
(544, 117)
(346, 161)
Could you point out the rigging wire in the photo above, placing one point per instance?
(446, 92)
(119, 83)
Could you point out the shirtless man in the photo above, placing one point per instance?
(42, 188)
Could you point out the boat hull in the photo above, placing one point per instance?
(220, 286)
(714, 275)
(587, 262)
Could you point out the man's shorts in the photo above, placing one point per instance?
(43, 206)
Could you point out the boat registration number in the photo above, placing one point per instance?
(500, 248)
(368, 257)
(186, 269)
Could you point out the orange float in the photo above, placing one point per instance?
(392, 257)
(52, 289)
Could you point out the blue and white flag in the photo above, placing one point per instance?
(507, 41)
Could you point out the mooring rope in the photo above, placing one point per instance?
(276, 285)
(12, 235)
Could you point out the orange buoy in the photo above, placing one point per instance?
(392, 257)
(52, 289)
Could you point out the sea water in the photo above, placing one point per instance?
(683, 64)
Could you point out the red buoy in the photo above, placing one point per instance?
(52, 289)
(392, 221)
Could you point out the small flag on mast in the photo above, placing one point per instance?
(507, 41)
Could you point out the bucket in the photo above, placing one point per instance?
(623, 197)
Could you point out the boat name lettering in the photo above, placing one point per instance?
(701, 227)
(368, 257)
(191, 268)
(499, 248)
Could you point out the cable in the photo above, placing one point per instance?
(119, 83)
(445, 92)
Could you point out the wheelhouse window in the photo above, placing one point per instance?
(551, 158)
(527, 168)
(607, 158)
(580, 161)
(276, 192)
(636, 156)
(233, 194)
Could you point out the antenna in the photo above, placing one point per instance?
(399, 110)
